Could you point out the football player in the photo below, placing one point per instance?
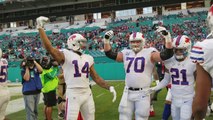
(202, 55)
(181, 72)
(167, 104)
(4, 91)
(139, 63)
(76, 67)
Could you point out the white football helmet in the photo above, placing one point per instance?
(134, 37)
(76, 42)
(0, 53)
(183, 44)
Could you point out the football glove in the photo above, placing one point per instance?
(165, 33)
(41, 21)
(112, 90)
(108, 35)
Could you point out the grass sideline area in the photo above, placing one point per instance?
(14, 97)
(105, 109)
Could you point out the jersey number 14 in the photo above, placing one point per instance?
(85, 69)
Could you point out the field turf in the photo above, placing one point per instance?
(105, 109)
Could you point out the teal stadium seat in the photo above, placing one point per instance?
(99, 57)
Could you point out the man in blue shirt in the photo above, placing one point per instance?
(31, 87)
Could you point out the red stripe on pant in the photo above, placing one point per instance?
(79, 114)
(66, 109)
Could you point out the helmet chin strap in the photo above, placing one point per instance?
(79, 51)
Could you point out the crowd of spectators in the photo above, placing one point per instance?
(196, 29)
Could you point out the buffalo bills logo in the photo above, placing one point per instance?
(142, 36)
(72, 37)
(178, 40)
(134, 35)
(211, 10)
(187, 40)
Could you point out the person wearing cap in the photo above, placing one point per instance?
(49, 81)
(32, 86)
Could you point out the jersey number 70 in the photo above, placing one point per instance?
(136, 61)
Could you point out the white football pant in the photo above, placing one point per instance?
(134, 103)
(4, 100)
(169, 95)
(181, 108)
(79, 100)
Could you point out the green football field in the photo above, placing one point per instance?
(105, 109)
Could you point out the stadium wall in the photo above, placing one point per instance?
(14, 74)
(108, 71)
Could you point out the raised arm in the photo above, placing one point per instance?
(118, 56)
(168, 52)
(26, 74)
(55, 53)
(38, 66)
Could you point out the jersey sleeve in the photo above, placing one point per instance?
(169, 62)
(66, 54)
(91, 61)
(124, 52)
(197, 53)
(201, 53)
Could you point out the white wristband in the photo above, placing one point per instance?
(106, 41)
(168, 38)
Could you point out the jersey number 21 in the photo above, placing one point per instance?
(176, 74)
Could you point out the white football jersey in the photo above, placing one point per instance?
(76, 69)
(138, 67)
(182, 77)
(202, 53)
(3, 71)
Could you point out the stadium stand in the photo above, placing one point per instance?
(21, 41)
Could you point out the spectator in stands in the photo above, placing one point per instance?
(31, 86)
(192, 25)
